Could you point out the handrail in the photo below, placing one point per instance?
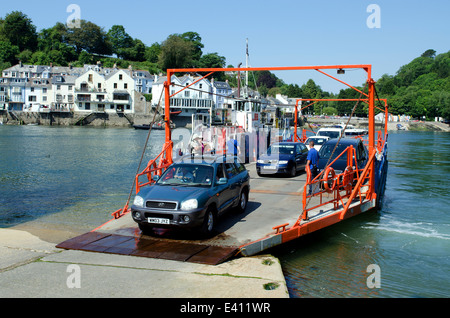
(152, 168)
(319, 178)
(358, 185)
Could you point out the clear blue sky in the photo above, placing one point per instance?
(280, 33)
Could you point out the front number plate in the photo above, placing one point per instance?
(270, 167)
(158, 220)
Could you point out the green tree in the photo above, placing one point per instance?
(429, 53)
(134, 53)
(176, 52)
(89, 37)
(19, 30)
(274, 91)
(213, 60)
(120, 40)
(152, 52)
(8, 52)
(196, 40)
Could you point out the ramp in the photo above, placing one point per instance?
(149, 247)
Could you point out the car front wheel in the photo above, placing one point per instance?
(293, 171)
(243, 200)
(209, 223)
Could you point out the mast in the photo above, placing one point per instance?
(246, 65)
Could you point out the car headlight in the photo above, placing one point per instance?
(283, 162)
(138, 201)
(189, 204)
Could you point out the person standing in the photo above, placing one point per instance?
(312, 160)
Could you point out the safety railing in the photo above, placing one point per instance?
(154, 168)
(332, 188)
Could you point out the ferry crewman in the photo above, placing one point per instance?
(312, 160)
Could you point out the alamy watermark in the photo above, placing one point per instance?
(74, 279)
(374, 279)
(74, 20)
(374, 19)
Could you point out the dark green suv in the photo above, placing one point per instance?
(192, 193)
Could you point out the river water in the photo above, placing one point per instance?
(76, 177)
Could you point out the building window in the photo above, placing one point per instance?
(31, 98)
(58, 87)
(115, 85)
(32, 89)
(125, 86)
(99, 85)
(44, 90)
(186, 93)
(120, 77)
(87, 105)
(90, 78)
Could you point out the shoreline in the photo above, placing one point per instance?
(124, 120)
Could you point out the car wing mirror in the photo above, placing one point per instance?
(222, 181)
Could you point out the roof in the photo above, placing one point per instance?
(222, 85)
(344, 141)
(206, 159)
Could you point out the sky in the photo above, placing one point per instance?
(279, 33)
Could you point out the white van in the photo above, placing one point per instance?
(330, 132)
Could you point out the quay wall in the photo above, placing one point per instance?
(128, 120)
(75, 119)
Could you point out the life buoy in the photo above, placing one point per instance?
(347, 179)
(329, 188)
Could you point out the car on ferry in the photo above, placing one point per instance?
(283, 157)
(326, 154)
(192, 193)
(318, 141)
(332, 132)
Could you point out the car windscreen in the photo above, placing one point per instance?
(187, 175)
(328, 133)
(281, 149)
(317, 141)
(326, 150)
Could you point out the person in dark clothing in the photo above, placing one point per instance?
(312, 160)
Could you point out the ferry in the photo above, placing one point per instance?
(279, 210)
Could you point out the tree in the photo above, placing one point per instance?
(152, 52)
(134, 53)
(196, 40)
(213, 60)
(89, 37)
(8, 52)
(120, 40)
(176, 52)
(266, 78)
(429, 53)
(19, 30)
(49, 39)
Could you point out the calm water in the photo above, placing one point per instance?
(78, 176)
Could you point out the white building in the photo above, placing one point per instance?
(91, 88)
(220, 91)
(197, 98)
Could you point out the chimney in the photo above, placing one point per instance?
(20, 63)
